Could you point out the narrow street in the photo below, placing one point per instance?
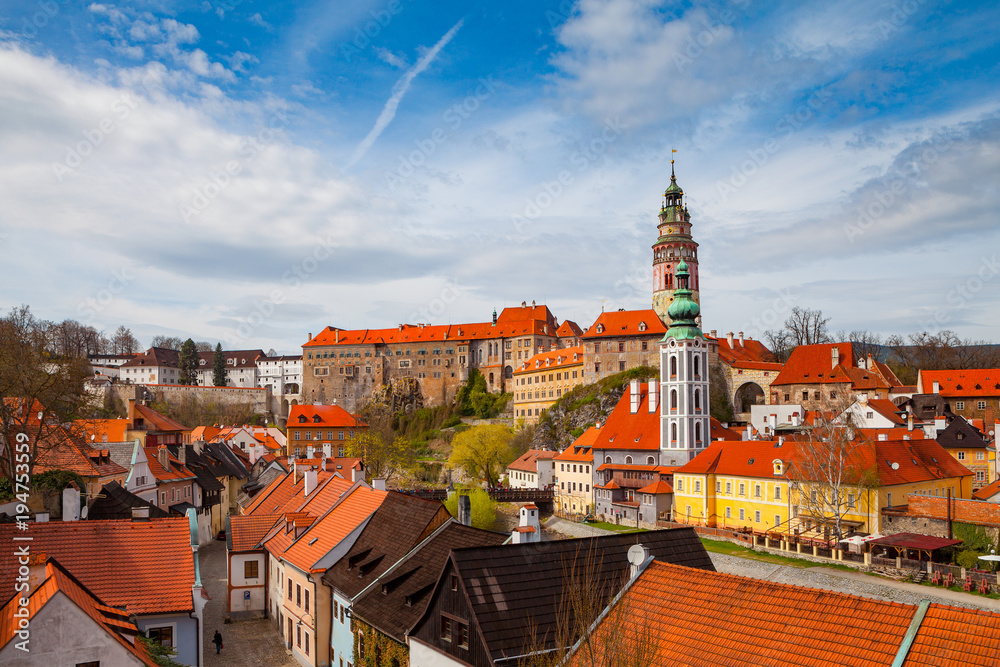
(246, 643)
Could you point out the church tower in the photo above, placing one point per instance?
(684, 410)
(673, 246)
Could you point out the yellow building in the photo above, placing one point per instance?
(544, 378)
(965, 441)
(574, 476)
(765, 485)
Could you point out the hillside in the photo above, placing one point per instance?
(582, 407)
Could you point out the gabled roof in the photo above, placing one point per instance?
(246, 532)
(626, 431)
(721, 433)
(398, 599)
(528, 462)
(525, 313)
(399, 524)
(618, 323)
(886, 408)
(156, 422)
(987, 492)
(154, 356)
(147, 567)
(177, 472)
(569, 329)
(581, 450)
(74, 455)
(514, 590)
(321, 416)
(961, 434)
(657, 488)
(115, 502)
(811, 364)
(709, 618)
(984, 382)
(103, 430)
(747, 351)
(552, 360)
(58, 580)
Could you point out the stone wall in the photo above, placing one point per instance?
(259, 397)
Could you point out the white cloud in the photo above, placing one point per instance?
(398, 61)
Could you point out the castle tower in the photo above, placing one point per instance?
(684, 409)
(673, 246)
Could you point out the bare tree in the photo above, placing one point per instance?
(204, 346)
(939, 351)
(167, 342)
(807, 327)
(780, 344)
(864, 343)
(123, 342)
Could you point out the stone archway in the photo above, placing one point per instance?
(748, 393)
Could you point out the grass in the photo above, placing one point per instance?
(721, 547)
(604, 525)
(958, 589)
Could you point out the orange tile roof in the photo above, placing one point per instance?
(528, 462)
(618, 323)
(698, 617)
(975, 382)
(524, 313)
(147, 567)
(811, 364)
(987, 492)
(73, 455)
(57, 580)
(246, 532)
(749, 351)
(721, 433)
(954, 637)
(157, 422)
(552, 359)
(330, 416)
(284, 493)
(114, 429)
(581, 449)
(898, 433)
(569, 329)
(887, 409)
(177, 472)
(624, 430)
(657, 488)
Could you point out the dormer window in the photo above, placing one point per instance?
(779, 467)
(600, 328)
(316, 419)
(302, 419)
(642, 326)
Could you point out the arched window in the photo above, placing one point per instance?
(670, 281)
(628, 460)
(697, 365)
(673, 365)
(607, 459)
(697, 399)
(673, 399)
(649, 461)
(673, 433)
(697, 432)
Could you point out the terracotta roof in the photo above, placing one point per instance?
(330, 416)
(528, 462)
(234, 359)
(656, 488)
(609, 485)
(617, 323)
(399, 524)
(863, 378)
(915, 541)
(154, 557)
(246, 532)
(103, 430)
(177, 472)
(983, 382)
(987, 492)
(624, 430)
(569, 329)
(58, 580)
(898, 433)
(524, 313)
(72, 454)
(811, 364)
(721, 433)
(887, 409)
(750, 351)
(398, 599)
(552, 359)
(154, 421)
(955, 637)
(580, 450)
(698, 617)
(154, 356)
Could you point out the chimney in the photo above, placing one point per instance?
(834, 356)
(163, 457)
(310, 451)
(729, 338)
(781, 440)
(71, 502)
(357, 474)
(336, 335)
(654, 395)
(140, 513)
(327, 450)
(131, 411)
(937, 387)
(310, 337)
(379, 484)
(741, 338)
(909, 421)
(182, 454)
(464, 510)
(310, 481)
(322, 463)
(713, 333)
(633, 388)
(532, 303)
(524, 304)
(197, 444)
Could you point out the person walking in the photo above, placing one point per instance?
(217, 640)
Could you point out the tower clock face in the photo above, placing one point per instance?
(670, 230)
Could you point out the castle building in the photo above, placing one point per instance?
(674, 245)
(684, 408)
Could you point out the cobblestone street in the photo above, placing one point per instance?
(246, 643)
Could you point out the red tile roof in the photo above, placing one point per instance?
(657, 488)
(103, 430)
(618, 323)
(528, 462)
(177, 472)
(569, 329)
(553, 359)
(721, 433)
(887, 409)
(147, 567)
(73, 455)
(581, 450)
(154, 356)
(624, 430)
(525, 312)
(915, 541)
(978, 382)
(330, 416)
(955, 637)
(154, 421)
(749, 351)
(246, 532)
(284, 493)
(987, 492)
(58, 580)
(810, 364)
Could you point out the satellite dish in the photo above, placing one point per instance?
(895, 466)
(637, 554)
(83, 512)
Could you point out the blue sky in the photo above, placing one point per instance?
(250, 172)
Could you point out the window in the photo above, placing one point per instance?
(336, 608)
(850, 500)
(445, 629)
(777, 492)
(742, 514)
(729, 512)
(462, 635)
(92, 663)
(454, 582)
(307, 643)
(361, 646)
(981, 405)
(756, 516)
(289, 590)
(756, 491)
(959, 405)
(680, 484)
(888, 499)
(805, 395)
(250, 569)
(729, 488)
(163, 636)
(298, 595)
(718, 486)
(307, 601)
(697, 486)
(777, 519)
(980, 476)
(979, 456)
(961, 456)
(743, 489)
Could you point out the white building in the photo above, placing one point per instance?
(157, 365)
(241, 368)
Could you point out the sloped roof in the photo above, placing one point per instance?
(114, 429)
(811, 364)
(525, 313)
(330, 416)
(749, 351)
(152, 557)
(528, 462)
(154, 421)
(657, 488)
(626, 431)
(177, 472)
(569, 329)
(398, 525)
(699, 617)
(73, 454)
(987, 492)
(59, 580)
(721, 433)
(246, 532)
(116, 502)
(552, 359)
(234, 359)
(400, 596)
(962, 434)
(887, 409)
(984, 382)
(581, 449)
(617, 323)
(154, 356)
(527, 581)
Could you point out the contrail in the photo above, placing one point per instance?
(398, 91)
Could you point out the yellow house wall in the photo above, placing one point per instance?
(314, 622)
(580, 501)
(525, 385)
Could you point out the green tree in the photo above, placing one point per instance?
(188, 363)
(219, 367)
(383, 451)
(483, 452)
(474, 399)
(161, 655)
(484, 509)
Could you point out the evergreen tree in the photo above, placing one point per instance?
(188, 363)
(219, 367)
